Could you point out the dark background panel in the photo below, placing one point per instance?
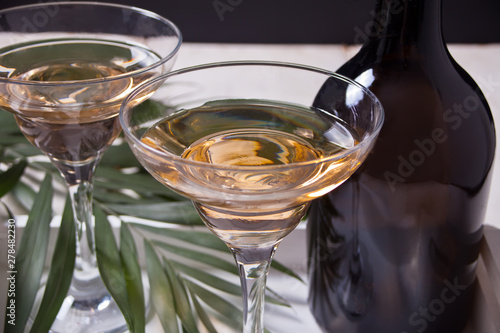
(292, 21)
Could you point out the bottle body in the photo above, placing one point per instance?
(394, 249)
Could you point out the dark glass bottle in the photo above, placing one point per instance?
(394, 249)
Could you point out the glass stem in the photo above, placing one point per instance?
(253, 265)
(81, 197)
(79, 179)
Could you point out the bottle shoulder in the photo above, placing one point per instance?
(439, 77)
(428, 103)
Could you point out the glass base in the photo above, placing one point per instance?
(100, 314)
(78, 314)
(84, 313)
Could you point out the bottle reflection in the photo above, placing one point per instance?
(378, 269)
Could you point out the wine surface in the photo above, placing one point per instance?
(256, 205)
(74, 122)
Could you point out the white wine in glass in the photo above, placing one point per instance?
(71, 123)
(251, 133)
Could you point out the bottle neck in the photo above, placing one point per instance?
(409, 26)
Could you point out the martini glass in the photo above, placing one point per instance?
(243, 141)
(65, 68)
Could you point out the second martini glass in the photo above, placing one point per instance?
(65, 68)
(244, 142)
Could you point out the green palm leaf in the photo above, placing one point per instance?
(209, 279)
(109, 178)
(199, 256)
(202, 314)
(161, 290)
(182, 303)
(181, 212)
(133, 278)
(283, 269)
(119, 156)
(5, 211)
(113, 273)
(60, 273)
(24, 194)
(30, 258)
(199, 238)
(232, 315)
(207, 240)
(9, 178)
